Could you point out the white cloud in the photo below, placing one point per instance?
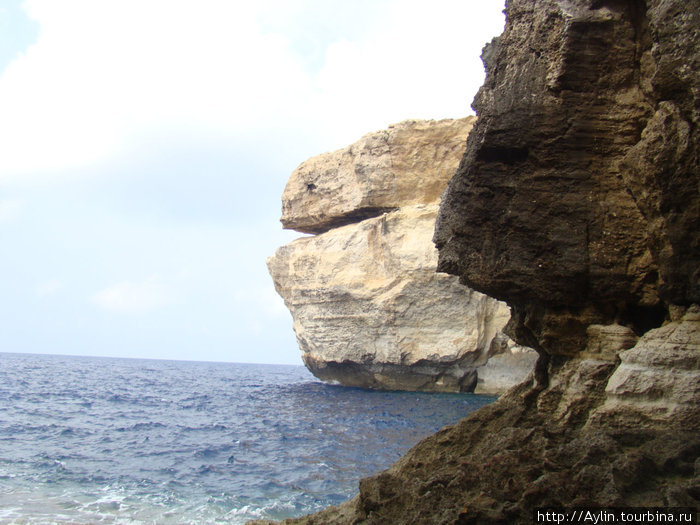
(271, 302)
(133, 297)
(107, 73)
(424, 64)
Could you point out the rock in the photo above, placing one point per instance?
(370, 310)
(508, 364)
(577, 203)
(658, 380)
(606, 341)
(409, 163)
(592, 216)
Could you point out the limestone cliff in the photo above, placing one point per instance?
(369, 308)
(409, 163)
(578, 203)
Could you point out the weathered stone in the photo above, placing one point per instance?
(606, 341)
(409, 163)
(592, 215)
(578, 203)
(509, 364)
(658, 381)
(370, 310)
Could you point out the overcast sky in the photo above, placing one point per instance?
(145, 144)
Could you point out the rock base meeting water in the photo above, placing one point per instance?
(87, 440)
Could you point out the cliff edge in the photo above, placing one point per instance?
(369, 308)
(577, 202)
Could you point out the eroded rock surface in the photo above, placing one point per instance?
(578, 203)
(369, 308)
(658, 380)
(506, 366)
(371, 311)
(408, 163)
(577, 200)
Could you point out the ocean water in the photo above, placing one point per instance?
(103, 440)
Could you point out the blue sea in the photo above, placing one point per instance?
(106, 440)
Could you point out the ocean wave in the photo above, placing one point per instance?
(121, 442)
(141, 426)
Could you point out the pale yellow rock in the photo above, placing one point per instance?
(658, 380)
(606, 341)
(571, 392)
(408, 163)
(370, 310)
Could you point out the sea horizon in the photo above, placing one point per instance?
(173, 359)
(87, 439)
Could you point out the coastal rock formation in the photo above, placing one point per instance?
(658, 381)
(577, 203)
(585, 441)
(369, 308)
(506, 366)
(371, 311)
(409, 163)
(591, 216)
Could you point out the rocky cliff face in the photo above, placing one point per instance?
(586, 441)
(369, 308)
(591, 216)
(578, 203)
(409, 163)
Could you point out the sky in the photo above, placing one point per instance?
(145, 145)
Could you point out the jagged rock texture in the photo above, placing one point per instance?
(578, 203)
(369, 308)
(577, 199)
(582, 442)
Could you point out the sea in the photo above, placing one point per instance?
(111, 440)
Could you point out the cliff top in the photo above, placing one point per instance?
(380, 172)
